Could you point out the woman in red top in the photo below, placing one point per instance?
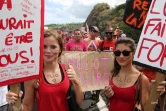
(54, 83)
(122, 89)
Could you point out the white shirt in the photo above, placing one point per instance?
(3, 92)
(92, 46)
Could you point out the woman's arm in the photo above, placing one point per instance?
(145, 90)
(28, 101)
(77, 88)
(78, 92)
(161, 89)
(108, 92)
(162, 102)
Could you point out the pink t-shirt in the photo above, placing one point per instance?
(76, 46)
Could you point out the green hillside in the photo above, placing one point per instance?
(65, 27)
(102, 16)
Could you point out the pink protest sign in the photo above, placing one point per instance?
(21, 40)
(92, 68)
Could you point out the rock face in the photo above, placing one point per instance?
(98, 16)
(103, 16)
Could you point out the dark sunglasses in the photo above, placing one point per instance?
(108, 33)
(125, 53)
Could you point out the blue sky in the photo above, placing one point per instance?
(72, 11)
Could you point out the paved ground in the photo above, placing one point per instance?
(101, 105)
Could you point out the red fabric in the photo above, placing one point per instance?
(151, 75)
(59, 31)
(123, 98)
(108, 44)
(52, 97)
(118, 32)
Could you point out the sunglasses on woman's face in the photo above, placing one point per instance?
(125, 53)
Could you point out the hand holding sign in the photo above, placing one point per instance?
(108, 92)
(71, 74)
(161, 87)
(157, 89)
(13, 97)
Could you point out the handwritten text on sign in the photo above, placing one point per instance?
(136, 12)
(92, 68)
(20, 32)
(151, 47)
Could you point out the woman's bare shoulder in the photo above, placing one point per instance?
(144, 78)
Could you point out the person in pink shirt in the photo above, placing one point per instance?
(77, 44)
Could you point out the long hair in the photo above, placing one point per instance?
(125, 40)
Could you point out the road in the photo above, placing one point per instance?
(101, 105)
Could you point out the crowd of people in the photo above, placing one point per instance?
(92, 39)
(50, 91)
